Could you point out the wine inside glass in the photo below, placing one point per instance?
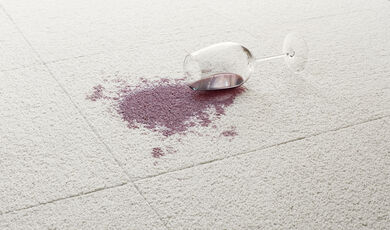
(229, 65)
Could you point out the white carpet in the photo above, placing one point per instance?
(312, 150)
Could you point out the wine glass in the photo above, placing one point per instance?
(229, 65)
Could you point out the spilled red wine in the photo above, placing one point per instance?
(218, 81)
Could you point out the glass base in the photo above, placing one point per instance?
(296, 51)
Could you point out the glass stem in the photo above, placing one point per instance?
(270, 58)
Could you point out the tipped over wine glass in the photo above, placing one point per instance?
(228, 65)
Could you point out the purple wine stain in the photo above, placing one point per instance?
(167, 106)
(171, 108)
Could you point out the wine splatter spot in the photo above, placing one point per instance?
(157, 152)
(97, 93)
(229, 133)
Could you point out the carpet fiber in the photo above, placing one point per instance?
(85, 143)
